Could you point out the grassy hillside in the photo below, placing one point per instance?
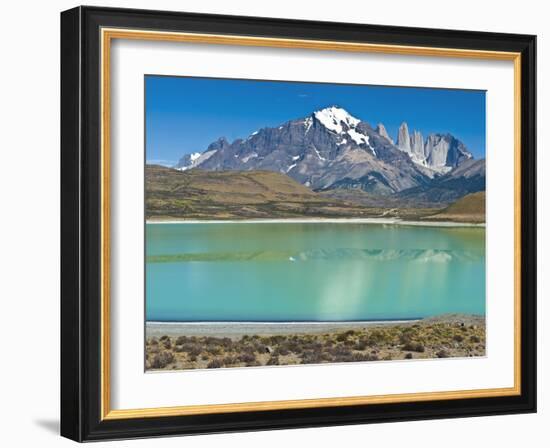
(470, 208)
(391, 206)
(198, 194)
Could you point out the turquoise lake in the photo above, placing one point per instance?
(312, 271)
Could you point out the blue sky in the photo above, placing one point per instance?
(185, 115)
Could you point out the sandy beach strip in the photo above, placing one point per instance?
(387, 221)
(236, 330)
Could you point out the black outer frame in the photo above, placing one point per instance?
(80, 224)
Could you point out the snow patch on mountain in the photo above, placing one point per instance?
(248, 157)
(252, 135)
(318, 154)
(307, 123)
(196, 158)
(361, 139)
(332, 118)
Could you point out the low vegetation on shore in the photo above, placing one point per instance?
(429, 338)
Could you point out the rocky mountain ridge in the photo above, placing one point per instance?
(331, 149)
(439, 152)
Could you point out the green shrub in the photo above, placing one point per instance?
(311, 357)
(339, 351)
(181, 340)
(315, 346)
(359, 357)
(191, 349)
(228, 360)
(214, 350)
(414, 347)
(225, 342)
(272, 361)
(248, 349)
(214, 364)
(282, 351)
(161, 360)
(341, 337)
(290, 345)
(376, 337)
(276, 340)
(246, 358)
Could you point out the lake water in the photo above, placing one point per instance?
(311, 271)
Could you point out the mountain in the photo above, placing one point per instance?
(466, 178)
(328, 149)
(332, 150)
(199, 194)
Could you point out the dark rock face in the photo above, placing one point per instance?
(468, 177)
(332, 149)
(193, 160)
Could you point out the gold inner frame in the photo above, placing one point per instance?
(107, 35)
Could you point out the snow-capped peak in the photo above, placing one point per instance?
(332, 118)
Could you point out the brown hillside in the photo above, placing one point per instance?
(198, 194)
(470, 208)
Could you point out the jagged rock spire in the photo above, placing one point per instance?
(417, 145)
(403, 138)
(381, 129)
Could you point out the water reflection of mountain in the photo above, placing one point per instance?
(420, 255)
(414, 255)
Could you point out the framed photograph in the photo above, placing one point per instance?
(276, 224)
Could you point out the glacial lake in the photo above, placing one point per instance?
(316, 271)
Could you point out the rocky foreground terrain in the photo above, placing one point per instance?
(440, 337)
